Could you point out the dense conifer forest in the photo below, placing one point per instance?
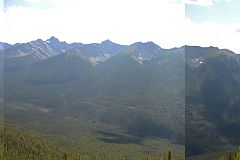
(19, 145)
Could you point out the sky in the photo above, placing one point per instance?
(168, 23)
(213, 22)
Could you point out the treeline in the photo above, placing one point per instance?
(18, 145)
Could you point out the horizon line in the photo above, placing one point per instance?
(144, 42)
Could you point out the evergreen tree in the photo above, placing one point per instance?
(169, 155)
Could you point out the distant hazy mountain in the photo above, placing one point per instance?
(143, 51)
(4, 46)
(19, 55)
(141, 90)
(61, 46)
(38, 50)
(96, 52)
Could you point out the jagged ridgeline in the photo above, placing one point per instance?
(105, 100)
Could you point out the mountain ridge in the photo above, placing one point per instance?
(139, 90)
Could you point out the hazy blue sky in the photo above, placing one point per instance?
(226, 12)
(169, 23)
(213, 22)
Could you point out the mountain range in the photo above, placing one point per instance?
(106, 94)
